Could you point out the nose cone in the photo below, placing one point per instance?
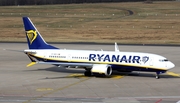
(170, 65)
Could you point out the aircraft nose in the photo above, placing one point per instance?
(171, 65)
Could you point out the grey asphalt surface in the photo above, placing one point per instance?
(47, 83)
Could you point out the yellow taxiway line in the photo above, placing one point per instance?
(173, 74)
(55, 90)
(117, 76)
(44, 89)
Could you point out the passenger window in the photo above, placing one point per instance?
(163, 60)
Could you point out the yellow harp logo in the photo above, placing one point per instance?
(31, 34)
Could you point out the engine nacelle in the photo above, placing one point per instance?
(102, 69)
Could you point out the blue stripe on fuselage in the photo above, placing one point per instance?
(114, 67)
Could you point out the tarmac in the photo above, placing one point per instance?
(50, 84)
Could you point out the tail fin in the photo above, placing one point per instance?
(34, 38)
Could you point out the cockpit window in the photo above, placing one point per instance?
(166, 60)
(163, 60)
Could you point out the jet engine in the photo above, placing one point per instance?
(101, 69)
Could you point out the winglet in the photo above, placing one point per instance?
(116, 47)
(31, 64)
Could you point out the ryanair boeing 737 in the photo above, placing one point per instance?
(94, 62)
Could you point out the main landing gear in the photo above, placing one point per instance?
(88, 73)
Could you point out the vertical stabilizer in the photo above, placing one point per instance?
(34, 38)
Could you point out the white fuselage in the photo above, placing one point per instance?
(134, 59)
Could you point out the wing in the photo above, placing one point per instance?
(64, 64)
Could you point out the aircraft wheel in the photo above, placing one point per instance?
(157, 76)
(87, 73)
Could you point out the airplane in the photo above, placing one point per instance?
(94, 62)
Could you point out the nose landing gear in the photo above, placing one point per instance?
(157, 76)
(158, 73)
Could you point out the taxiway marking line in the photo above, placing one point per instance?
(44, 89)
(77, 76)
(56, 90)
(173, 74)
(116, 76)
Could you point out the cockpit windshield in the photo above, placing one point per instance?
(163, 60)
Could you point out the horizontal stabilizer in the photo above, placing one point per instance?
(30, 51)
(13, 50)
(31, 64)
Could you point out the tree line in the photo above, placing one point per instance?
(45, 2)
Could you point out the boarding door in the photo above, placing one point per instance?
(151, 62)
(45, 55)
(69, 57)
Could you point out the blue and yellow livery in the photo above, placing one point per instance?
(34, 39)
(94, 62)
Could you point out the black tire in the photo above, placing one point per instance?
(88, 73)
(157, 77)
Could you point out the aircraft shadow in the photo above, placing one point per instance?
(144, 74)
(81, 71)
(60, 69)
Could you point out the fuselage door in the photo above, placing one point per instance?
(69, 57)
(151, 62)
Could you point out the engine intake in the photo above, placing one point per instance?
(102, 69)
